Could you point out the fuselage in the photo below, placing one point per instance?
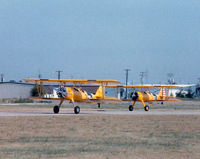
(75, 93)
(78, 94)
(147, 96)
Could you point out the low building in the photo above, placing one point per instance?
(15, 90)
(9, 90)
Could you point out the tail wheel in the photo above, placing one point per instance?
(56, 109)
(76, 109)
(130, 108)
(99, 105)
(146, 108)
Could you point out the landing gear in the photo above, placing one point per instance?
(146, 108)
(130, 108)
(56, 109)
(76, 109)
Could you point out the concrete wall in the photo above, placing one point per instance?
(15, 90)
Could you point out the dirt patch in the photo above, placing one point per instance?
(100, 136)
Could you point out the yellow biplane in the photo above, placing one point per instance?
(75, 93)
(146, 96)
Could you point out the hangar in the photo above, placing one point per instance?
(15, 90)
(9, 90)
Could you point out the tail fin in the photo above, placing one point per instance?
(99, 92)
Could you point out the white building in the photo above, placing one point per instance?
(15, 90)
(9, 90)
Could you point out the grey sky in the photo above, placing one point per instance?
(93, 39)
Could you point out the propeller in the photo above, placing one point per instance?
(62, 92)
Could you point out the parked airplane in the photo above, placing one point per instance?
(74, 94)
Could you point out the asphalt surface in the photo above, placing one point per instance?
(100, 112)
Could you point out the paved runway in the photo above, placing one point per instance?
(100, 112)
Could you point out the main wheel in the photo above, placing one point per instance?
(146, 108)
(56, 109)
(76, 109)
(130, 108)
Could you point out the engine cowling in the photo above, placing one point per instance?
(134, 96)
(62, 92)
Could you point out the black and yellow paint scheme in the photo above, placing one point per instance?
(146, 96)
(74, 93)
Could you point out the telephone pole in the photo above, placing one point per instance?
(126, 82)
(39, 75)
(2, 77)
(59, 73)
(170, 78)
(142, 77)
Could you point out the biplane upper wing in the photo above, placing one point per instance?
(74, 81)
(145, 86)
(151, 86)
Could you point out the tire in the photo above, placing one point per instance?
(76, 109)
(146, 108)
(130, 108)
(56, 109)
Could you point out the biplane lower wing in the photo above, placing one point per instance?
(83, 100)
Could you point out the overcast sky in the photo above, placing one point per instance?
(98, 39)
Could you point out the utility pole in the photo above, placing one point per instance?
(142, 77)
(2, 77)
(39, 75)
(59, 73)
(126, 82)
(147, 76)
(170, 78)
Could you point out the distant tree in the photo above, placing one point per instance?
(34, 91)
(180, 94)
(185, 94)
(190, 94)
(197, 91)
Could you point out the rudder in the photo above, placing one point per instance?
(99, 92)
